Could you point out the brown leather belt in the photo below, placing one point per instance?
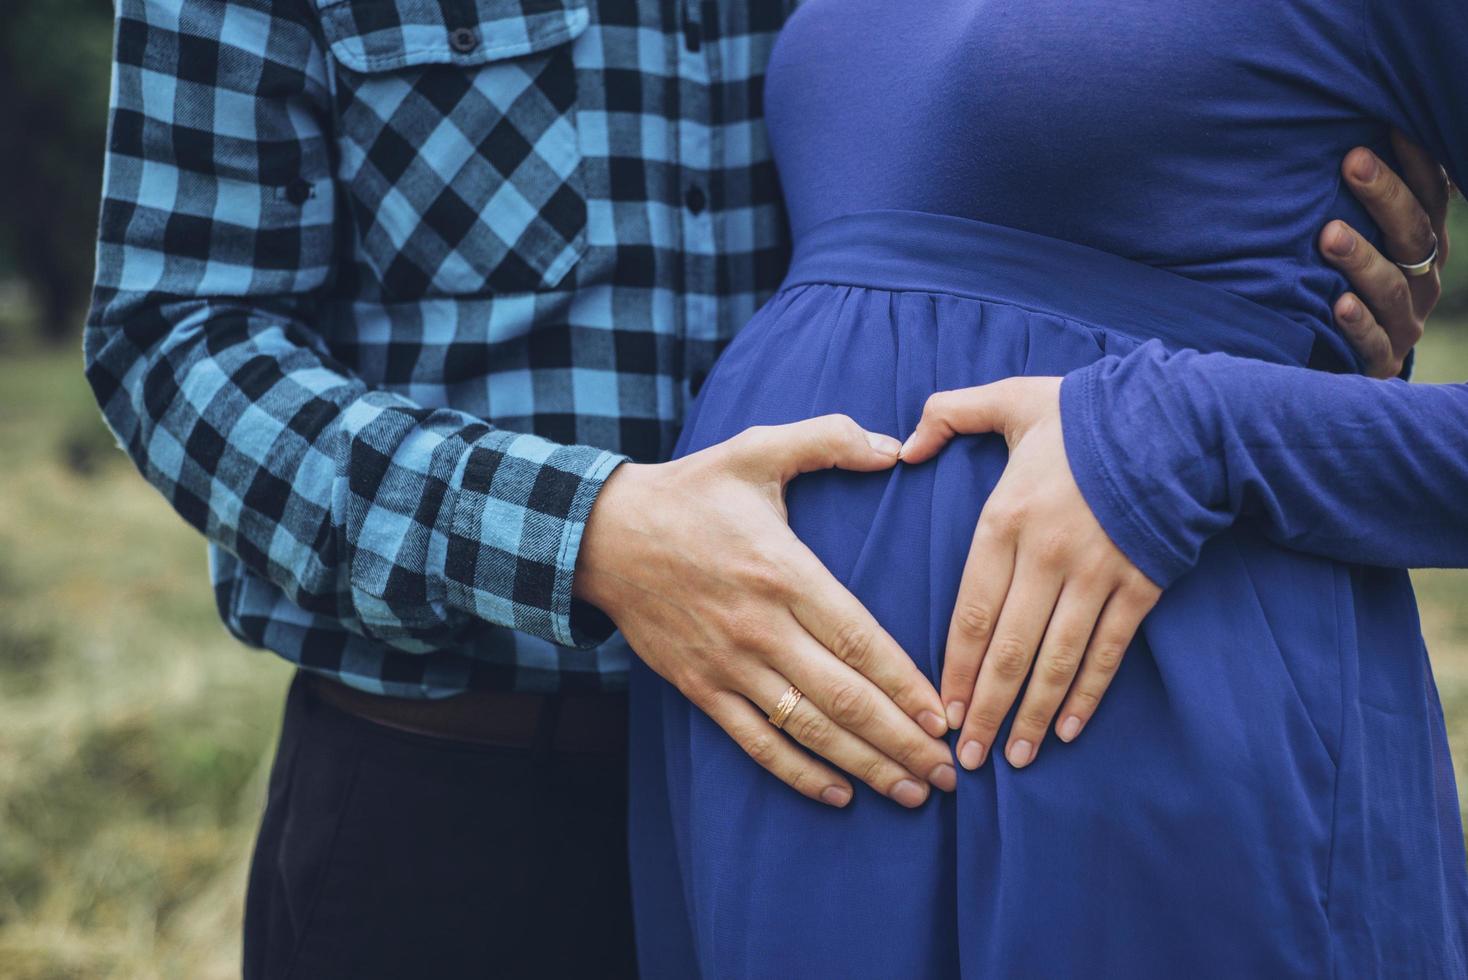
(507, 719)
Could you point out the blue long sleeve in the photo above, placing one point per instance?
(1171, 448)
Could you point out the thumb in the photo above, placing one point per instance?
(822, 443)
(963, 411)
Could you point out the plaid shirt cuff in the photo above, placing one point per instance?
(521, 507)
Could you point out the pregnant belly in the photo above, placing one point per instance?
(1227, 675)
(1267, 758)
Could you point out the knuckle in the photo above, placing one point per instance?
(1003, 519)
(910, 755)
(1358, 263)
(1420, 235)
(1356, 257)
(753, 436)
(812, 729)
(1010, 658)
(938, 407)
(870, 771)
(1034, 719)
(764, 578)
(708, 666)
(1388, 191)
(1053, 548)
(1382, 363)
(1085, 699)
(935, 404)
(1094, 579)
(799, 779)
(983, 720)
(960, 674)
(837, 432)
(1397, 295)
(1061, 663)
(762, 748)
(849, 706)
(974, 620)
(1354, 315)
(1107, 656)
(1137, 587)
(695, 687)
(1384, 367)
(853, 645)
(1376, 349)
(743, 631)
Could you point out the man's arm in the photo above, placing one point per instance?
(408, 525)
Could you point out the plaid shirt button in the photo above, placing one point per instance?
(695, 199)
(463, 40)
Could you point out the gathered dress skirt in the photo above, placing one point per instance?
(1265, 791)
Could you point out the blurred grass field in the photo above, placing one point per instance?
(135, 734)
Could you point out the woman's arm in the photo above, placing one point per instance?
(1117, 476)
(1170, 449)
(1120, 472)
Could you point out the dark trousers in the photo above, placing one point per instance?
(389, 854)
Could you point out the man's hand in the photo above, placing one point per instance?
(1042, 575)
(695, 562)
(1385, 316)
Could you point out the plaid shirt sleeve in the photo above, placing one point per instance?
(409, 525)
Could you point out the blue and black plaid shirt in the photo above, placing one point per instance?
(387, 288)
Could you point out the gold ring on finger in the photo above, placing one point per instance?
(785, 706)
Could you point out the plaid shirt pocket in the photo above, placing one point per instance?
(458, 144)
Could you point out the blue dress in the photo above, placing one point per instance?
(1126, 194)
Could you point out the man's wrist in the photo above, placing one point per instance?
(604, 539)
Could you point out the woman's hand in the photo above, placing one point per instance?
(1042, 577)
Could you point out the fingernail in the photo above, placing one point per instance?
(971, 755)
(906, 445)
(955, 715)
(1020, 753)
(1342, 242)
(835, 795)
(1367, 168)
(933, 724)
(883, 444)
(944, 777)
(908, 793)
(1070, 728)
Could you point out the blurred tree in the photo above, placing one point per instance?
(54, 65)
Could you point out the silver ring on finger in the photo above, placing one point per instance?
(1414, 270)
